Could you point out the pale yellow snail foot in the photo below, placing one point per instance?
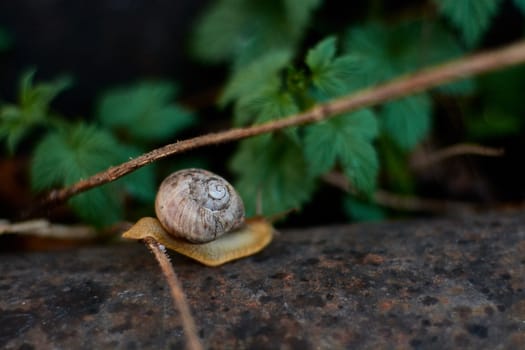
(251, 238)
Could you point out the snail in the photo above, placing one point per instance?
(201, 216)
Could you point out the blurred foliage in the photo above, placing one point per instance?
(67, 151)
(31, 110)
(471, 17)
(278, 81)
(281, 61)
(5, 40)
(240, 30)
(502, 112)
(144, 112)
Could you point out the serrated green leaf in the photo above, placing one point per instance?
(346, 140)
(273, 171)
(37, 97)
(363, 211)
(16, 121)
(256, 78)
(382, 52)
(144, 111)
(471, 17)
(242, 30)
(408, 120)
(331, 76)
(265, 106)
(368, 45)
(321, 55)
(66, 156)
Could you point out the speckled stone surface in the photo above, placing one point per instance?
(426, 284)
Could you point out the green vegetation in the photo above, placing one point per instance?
(66, 151)
(273, 74)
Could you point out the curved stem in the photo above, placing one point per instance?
(402, 86)
(457, 150)
(177, 294)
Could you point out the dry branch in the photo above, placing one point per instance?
(403, 202)
(44, 228)
(459, 149)
(402, 86)
(177, 294)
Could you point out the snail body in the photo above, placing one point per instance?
(200, 215)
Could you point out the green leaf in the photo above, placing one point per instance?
(471, 17)
(274, 171)
(331, 76)
(68, 155)
(144, 111)
(13, 126)
(99, 206)
(5, 40)
(520, 4)
(37, 97)
(321, 55)
(16, 121)
(368, 45)
(363, 211)
(242, 30)
(258, 77)
(408, 120)
(140, 183)
(298, 13)
(217, 35)
(459, 88)
(346, 140)
(382, 52)
(266, 106)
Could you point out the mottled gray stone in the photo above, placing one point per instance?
(426, 284)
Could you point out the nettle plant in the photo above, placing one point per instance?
(68, 151)
(273, 76)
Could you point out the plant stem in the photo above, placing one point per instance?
(177, 294)
(402, 86)
(457, 150)
(403, 202)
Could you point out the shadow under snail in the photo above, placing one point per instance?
(200, 215)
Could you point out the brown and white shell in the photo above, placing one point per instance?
(198, 205)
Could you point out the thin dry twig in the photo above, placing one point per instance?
(399, 202)
(405, 85)
(457, 150)
(44, 228)
(177, 294)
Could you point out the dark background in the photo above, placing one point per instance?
(100, 43)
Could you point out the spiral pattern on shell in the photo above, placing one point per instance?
(198, 205)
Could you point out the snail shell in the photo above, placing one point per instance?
(198, 205)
